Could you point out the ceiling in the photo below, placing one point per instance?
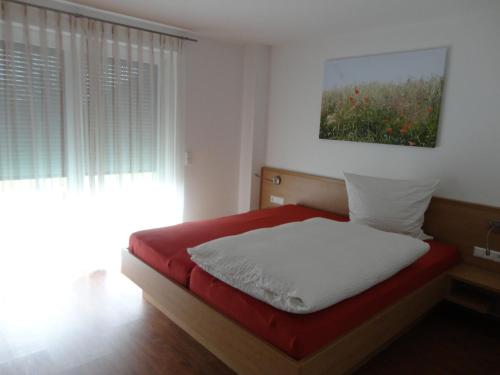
(279, 21)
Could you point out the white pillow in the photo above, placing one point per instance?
(389, 205)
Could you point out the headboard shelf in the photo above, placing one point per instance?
(462, 224)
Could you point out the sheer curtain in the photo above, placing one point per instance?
(91, 137)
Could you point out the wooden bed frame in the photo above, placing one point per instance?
(455, 222)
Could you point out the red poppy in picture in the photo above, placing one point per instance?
(352, 100)
(403, 130)
(388, 131)
(356, 91)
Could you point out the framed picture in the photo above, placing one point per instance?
(391, 98)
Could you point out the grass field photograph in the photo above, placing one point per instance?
(392, 98)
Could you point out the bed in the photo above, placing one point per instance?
(253, 337)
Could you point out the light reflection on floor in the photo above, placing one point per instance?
(52, 254)
(58, 319)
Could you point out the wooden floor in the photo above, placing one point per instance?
(101, 325)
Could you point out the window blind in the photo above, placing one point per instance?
(31, 119)
(32, 132)
(127, 142)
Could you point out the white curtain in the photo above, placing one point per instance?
(91, 136)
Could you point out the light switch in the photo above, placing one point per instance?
(188, 158)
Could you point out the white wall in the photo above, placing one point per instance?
(467, 158)
(253, 124)
(214, 85)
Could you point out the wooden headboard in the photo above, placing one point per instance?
(459, 223)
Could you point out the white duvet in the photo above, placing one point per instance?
(306, 266)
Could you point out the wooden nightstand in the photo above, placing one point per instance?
(475, 288)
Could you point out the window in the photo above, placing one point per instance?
(32, 131)
(127, 139)
(31, 118)
(91, 146)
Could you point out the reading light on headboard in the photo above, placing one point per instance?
(275, 179)
(494, 227)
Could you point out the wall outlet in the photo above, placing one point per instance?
(480, 252)
(277, 200)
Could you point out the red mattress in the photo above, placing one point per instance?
(302, 335)
(164, 249)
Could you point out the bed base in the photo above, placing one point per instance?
(247, 354)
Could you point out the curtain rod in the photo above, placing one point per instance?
(78, 15)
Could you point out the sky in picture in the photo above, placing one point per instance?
(389, 67)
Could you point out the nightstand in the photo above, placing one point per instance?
(475, 288)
